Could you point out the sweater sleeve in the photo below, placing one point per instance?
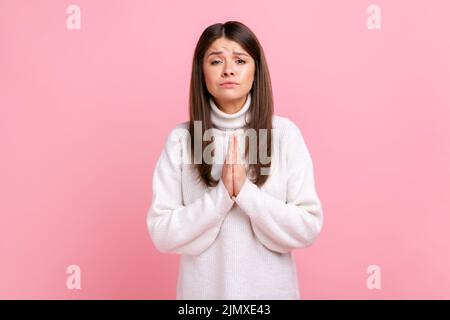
(283, 226)
(173, 226)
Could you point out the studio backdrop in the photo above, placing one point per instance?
(89, 91)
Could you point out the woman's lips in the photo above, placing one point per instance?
(228, 85)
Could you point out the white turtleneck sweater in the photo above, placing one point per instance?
(237, 248)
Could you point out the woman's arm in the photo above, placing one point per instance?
(283, 226)
(177, 228)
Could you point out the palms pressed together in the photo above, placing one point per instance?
(233, 170)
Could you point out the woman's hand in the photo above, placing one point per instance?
(227, 169)
(233, 170)
(239, 173)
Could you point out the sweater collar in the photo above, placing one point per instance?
(226, 121)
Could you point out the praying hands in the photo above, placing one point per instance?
(233, 170)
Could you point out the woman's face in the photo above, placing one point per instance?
(225, 60)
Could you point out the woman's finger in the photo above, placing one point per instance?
(229, 158)
(234, 149)
(238, 157)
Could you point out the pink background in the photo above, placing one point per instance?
(84, 114)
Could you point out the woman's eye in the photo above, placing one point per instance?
(214, 62)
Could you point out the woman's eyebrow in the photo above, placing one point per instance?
(220, 52)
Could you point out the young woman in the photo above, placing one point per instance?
(234, 220)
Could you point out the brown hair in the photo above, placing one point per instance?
(261, 107)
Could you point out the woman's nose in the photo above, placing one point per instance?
(228, 70)
(228, 73)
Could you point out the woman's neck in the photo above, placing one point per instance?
(226, 121)
(230, 107)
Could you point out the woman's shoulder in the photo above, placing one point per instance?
(178, 132)
(291, 139)
(286, 127)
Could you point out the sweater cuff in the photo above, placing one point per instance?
(248, 193)
(222, 197)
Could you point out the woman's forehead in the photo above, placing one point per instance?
(226, 46)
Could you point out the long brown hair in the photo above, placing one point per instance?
(261, 107)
